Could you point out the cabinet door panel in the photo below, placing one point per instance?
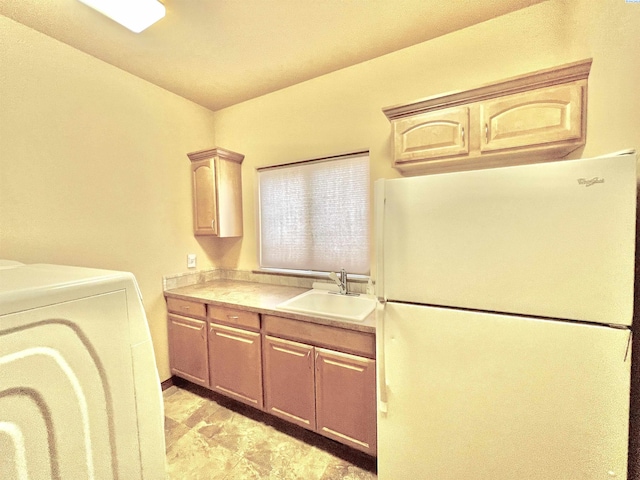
(289, 381)
(541, 116)
(188, 349)
(235, 363)
(346, 399)
(432, 135)
(204, 198)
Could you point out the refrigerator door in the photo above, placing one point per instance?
(553, 240)
(480, 396)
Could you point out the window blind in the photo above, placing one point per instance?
(315, 215)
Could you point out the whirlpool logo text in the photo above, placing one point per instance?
(587, 182)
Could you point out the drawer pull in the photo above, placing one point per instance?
(232, 317)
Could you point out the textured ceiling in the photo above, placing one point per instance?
(221, 52)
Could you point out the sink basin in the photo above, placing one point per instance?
(322, 303)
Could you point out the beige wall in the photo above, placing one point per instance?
(341, 111)
(93, 167)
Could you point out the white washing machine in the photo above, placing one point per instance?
(80, 396)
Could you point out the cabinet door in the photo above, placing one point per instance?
(204, 197)
(188, 349)
(346, 399)
(235, 363)
(546, 115)
(432, 135)
(289, 381)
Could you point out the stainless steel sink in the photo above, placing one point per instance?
(322, 303)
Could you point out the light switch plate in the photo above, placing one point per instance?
(191, 260)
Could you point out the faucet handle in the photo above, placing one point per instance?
(343, 282)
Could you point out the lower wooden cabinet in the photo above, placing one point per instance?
(235, 364)
(346, 399)
(289, 381)
(188, 349)
(330, 392)
(241, 354)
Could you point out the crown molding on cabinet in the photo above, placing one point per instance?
(543, 78)
(216, 152)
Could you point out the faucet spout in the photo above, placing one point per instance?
(340, 281)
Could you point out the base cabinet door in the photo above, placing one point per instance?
(346, 399)
(188, 349)
(235, 363)
(289, 381)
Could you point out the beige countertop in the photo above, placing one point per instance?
(260, 298)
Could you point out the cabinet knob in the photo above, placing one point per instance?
(462, 134)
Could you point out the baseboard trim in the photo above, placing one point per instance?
(169, 382)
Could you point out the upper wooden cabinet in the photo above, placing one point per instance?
(531, 118)
(432, 135)
(217, 192)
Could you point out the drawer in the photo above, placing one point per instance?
(234, 316)
(187, 307)
(350, 341)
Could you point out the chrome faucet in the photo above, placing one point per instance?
(341, 281)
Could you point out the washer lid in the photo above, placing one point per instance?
(23, 287)
(9, 263)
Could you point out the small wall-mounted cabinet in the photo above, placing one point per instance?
(217, 192)
(532, 118)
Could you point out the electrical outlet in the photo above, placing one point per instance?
(191, 260)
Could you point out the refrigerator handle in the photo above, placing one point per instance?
(378, 207)
(380, 358)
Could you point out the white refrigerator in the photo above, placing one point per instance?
(504, 339)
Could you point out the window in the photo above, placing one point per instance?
(315, 215)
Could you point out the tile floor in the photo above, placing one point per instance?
(211, 437)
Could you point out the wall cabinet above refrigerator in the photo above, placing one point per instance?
(531, 118)
(217, 192)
